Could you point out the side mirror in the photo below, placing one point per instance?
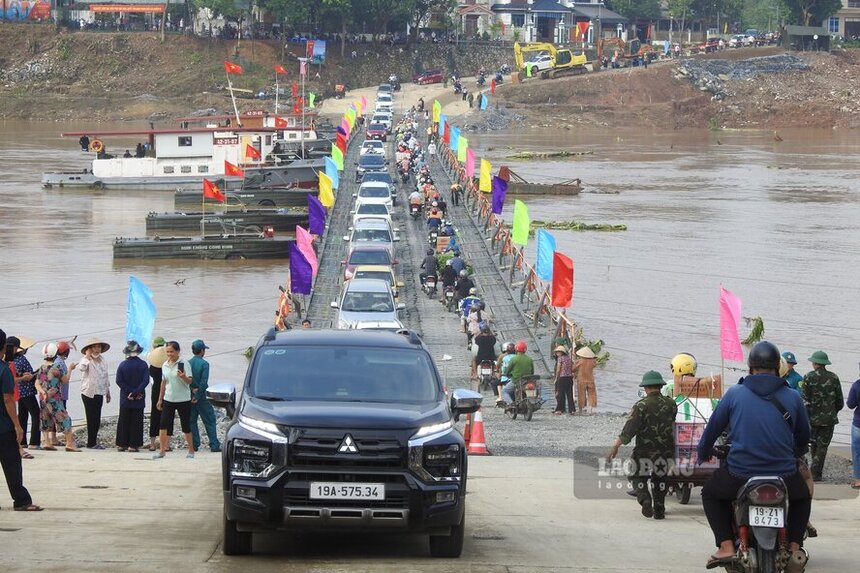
(354, 195)
(342, 263)
(465, 401)
(400, 284)
(223, 396)
(333, 304)
(401, 306)
(346, 237)
(395, 239)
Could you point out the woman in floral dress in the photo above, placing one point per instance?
(53, 413)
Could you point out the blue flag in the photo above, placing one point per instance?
(455, 138)
(443, 119)
(500, 191)
(140, 314)
(301, 272)
(545, 251)
(316, 216)
(331, 171)
(485, 101)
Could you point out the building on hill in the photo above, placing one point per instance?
(556, 21)
(846, 22)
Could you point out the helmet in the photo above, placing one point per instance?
(473, 290)
(684, 364)
(463, 273)
(765, 356)
(63, 347)
(49, 350)
(448, 263)
(435, 204)
(521, 346)
(429, 252)
(484, 326)
(507, 347)
(434, 212)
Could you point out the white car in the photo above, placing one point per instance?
(384, 117)
(371, 211)
(384, 103)
(372, 146)
(541, 62)
(374, 192)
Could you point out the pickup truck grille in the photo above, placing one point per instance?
(399, 500)
(322, 450)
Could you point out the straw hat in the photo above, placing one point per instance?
(24, 343)
(92, 342)
(560, 348)
(585, 352)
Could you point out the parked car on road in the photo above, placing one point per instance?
(428, 77)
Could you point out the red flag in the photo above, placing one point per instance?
(446, 136)
(295, 89)
(280, 122)
(211, 191)
(341, 144)
(279, 69)
(251, 151)
(493, 86)
(309, 49)
(232, 68)
(230, 169)
(562, 280)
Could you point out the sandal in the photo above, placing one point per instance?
(120, 449)
(25, 455)
(30, 507)
(714, 562)
(49, 448)
(150, 447)
(72, 449)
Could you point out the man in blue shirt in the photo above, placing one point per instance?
(763, 443)
(792, 376)
(11, 433)
(200, 405)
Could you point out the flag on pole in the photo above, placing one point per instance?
(280, 122)
(316, 216)
(437, 110)
(443, 122)
(251, 151)
(301, 273)
(500, 191)
(337, 156)
(545, 251)
(230, 169)
(493, 86)
(279, 69)
(485, 183)
(340, 141)
(326, 190)
(211, 191)
(455, 137)
(305, 243)
(462, 146)
(232, 68)
(343, 128)
(730, 317)
(485, 101)
(520, 227)
(303, 67)
(140, 315)
(311, 97)
(446, 133)
(562, 280)
(470, 163)
(358, 108)
(294, 90)
(363, 102)
(331, 171)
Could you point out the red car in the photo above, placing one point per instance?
(428, 77)
(709, 45)
(376, 131)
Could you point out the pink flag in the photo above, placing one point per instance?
(470, 162)
(730, 317)
(302, 67)
(363, 102)
(303, 241)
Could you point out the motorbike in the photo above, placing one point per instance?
(499, 78)
(485, 375)
(480, 80)
(505, 69)
(395, 82)
(458, 87)
(433, 237)
(527, 398)
(414, 211)
(429, 285)
(450, 301)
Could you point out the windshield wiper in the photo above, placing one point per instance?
(270, 398)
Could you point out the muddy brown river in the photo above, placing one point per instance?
(775, 222)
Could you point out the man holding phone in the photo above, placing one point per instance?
(200, 405)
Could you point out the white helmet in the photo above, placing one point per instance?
(49, 351)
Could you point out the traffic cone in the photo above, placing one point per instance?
(477, 445)
(467, 429)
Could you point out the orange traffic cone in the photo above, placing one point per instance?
(477, 446)
(467, 429)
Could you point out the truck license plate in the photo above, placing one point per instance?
(337, 490)
(762, 516)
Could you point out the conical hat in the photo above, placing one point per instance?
(585, 352)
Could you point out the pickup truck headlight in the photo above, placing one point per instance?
(251, 459)
(435, 462)
(443, 462)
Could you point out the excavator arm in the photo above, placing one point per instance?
(521, 49)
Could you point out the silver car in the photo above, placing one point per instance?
(367, 303)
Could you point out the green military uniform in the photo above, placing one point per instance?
(652, 423)
(822, 393)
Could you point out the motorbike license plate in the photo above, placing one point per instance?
(449, 294)
(764, 516)
(486, 371)
(531, 393)
(337, 490)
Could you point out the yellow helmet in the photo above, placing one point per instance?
(684, 364)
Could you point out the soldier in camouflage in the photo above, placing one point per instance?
(822, 393)
(652, 423)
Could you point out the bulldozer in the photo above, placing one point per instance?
(550, 62)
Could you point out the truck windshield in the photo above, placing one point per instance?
(345, 374)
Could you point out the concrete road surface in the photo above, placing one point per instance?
(111, 511)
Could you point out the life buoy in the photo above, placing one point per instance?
(97, 146)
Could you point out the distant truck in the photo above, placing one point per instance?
(550, 62)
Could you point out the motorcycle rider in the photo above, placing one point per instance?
(652, 422)
(457, 262)
(449, 279)
(518, 366)
(420, 105)
(465, 305)
(501, 363)
(464, 285)
(415, 198)
(428, 265)
(768, 428)
(486, 342)
(434, 219)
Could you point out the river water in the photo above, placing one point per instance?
(774, 222)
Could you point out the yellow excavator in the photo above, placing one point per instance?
(550, 62)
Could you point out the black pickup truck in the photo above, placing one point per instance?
(347, 430)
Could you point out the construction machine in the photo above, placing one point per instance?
(550, 62)
(625, 51)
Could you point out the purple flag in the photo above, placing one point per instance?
(500, 190)
(340, 129)
(316, 216)
(301, 273)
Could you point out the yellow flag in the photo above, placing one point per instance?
(485, 184)
(437, 110)
(350, 118)
(358, 108)
(326, 191)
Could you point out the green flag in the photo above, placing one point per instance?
(462, 146)
(311, 97)
(520, 231)
(337, 156)
(528, 71)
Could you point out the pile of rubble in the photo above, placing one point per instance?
(712, 75)
(492, 119)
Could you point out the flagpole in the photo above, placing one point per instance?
(303, 67)
(203, 215)
(276, 92)
(233, 97)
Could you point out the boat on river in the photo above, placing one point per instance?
(273, 197)
(181, 156)
(231, 220)
(518, 185)
(223, 246)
